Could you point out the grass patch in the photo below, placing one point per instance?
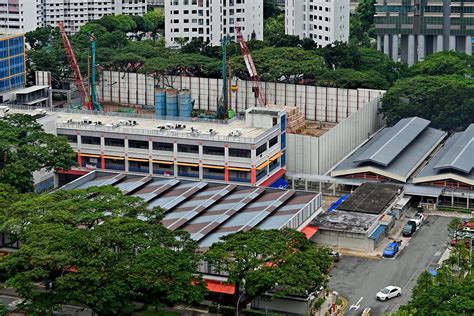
(455, 209)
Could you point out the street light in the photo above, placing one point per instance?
(240, 294)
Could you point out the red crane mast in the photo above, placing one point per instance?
(75, 67)
(257, 85)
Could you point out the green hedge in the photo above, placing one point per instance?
(455, 209)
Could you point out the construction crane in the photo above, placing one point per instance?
(257, 85)
(85, 99)
(95, 105)
(222, 105)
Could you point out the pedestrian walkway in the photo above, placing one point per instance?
(451, 214)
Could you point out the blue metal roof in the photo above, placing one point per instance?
(279, 184)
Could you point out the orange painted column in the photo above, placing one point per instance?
(253, 175)
(102, 162)
(79, 159)
(226, 174)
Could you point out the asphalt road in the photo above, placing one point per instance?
(359, 279)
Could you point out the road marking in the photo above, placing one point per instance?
(437, 254)
(356, 306)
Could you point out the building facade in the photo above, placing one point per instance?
(12, 63)
(324, 21)
(409, 30)
(21, 16)
(211, 20)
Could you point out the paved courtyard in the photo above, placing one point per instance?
(359, 279)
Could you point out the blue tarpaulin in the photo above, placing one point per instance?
(377, 232)
(279, 184)
(335, 204)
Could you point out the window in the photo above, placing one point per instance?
(90, 140)
(115, 142)
(261, 149)
(273, 141)
(193, 149)
(162, 146)
(217, 151)
(141, 144)
(235, 152)
(70, 138)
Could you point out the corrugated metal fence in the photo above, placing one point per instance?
(317, 155)
(316, 103)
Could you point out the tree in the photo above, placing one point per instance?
(279, 260)
(445, 63)
(352, 79)
(374, 60)
(156, 20)
(273, 27)
(283, 64)
(182, 64)
(25, 148)
(40, 37)
(270, 8)
(447, 101)
(88, 247)
(362, 23)
(340, 55)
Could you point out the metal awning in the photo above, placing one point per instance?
(417, 190)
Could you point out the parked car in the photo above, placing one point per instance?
(418, 219)
(409, 229)
(433, 269)
(467, 241)
(335, 255)
(388, 292)
(391, 250)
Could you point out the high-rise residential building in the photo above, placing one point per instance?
(410, 30)
(21, 16)
(210, 20)
(324, 21)
(12, 62)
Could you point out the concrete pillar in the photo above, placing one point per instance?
(320, 187)
(411, 50)
(421, 47)
(306, 184)
(395, 47)
(404, 48)
(469, 45)
(452, 42)
(379, 42)
(386, 44)
(439, 43)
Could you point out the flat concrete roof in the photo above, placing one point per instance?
(149, 126)
(29, 89)
(372, 198)
(343, 221)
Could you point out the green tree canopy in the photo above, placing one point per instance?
(182, 64)
(264, 258)
(25, 148)
(270, 8)
(284, 64)
(89, 247)
(445, 63)
(352, 79)
(447, 101)
(362, 23)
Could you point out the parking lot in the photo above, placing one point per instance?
(359, 279)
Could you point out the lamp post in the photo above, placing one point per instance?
(241, 292)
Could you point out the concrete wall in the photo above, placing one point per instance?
(316, 103)
(317, 155)
(344, 240)
(282, 305)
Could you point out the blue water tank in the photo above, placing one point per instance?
(185, 103)
(160, 103)
(171, 102)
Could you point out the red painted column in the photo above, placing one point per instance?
(226, 174)
(253, 175)
(102, 162)
(79, 159)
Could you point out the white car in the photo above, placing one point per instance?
(389, 292)
(418, 219)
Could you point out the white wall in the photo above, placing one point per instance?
(316, 103)
(317, 155)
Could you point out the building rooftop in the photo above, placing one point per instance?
(455, 160)
(209, 210)
(350, 222)
(139, 124)
(394, 152)
(372, 198)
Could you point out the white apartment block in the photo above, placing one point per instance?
(324, 21)
(21, 16)
(210, 20)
